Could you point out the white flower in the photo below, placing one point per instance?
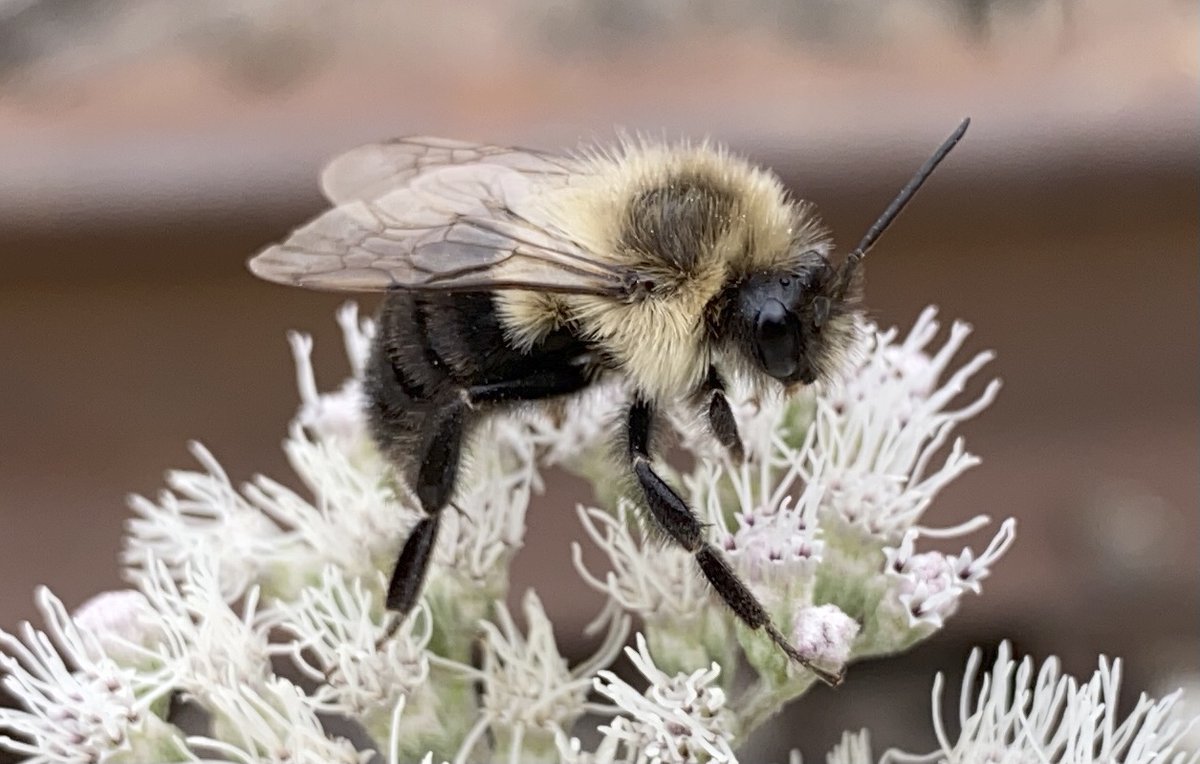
(117, 619)
(266, 533)
(338, 415)
(357, 504)
(271, 723)
(822, 519)
(1018, 715)
(929, 585)
(366, 664)
(775, 543)
(774, 546)
(1188, 708)
(205, 644)
(824, 635)
(653, 580)
(357, 335)
(925, 588)
(680, 718)
(354, 519)
(823, 511)
(853, 748)
(969, 570)
(202, 515)
(881, 431)
(77, 704)
(530, 696)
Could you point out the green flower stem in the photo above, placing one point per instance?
(764, 699)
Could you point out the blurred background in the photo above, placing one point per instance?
(148, 147)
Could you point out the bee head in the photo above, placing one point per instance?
(793, 322)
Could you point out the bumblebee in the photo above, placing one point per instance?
(515, 276)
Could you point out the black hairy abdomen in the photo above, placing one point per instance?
(432, 348)
(679, 221)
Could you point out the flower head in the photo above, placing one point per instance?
(336, 416)
(880, 433)
(267, 534)
(1021, 715)
(79, 705)
(202, 515)
(853, 748)
(526, 681)
(272, 723)
(677, 719)
(822, 519)
(354, 518)
(117, 620)
(531, 697)
(343, 639)
(775, 540)
(929, 585)
(205, 643)
(824, 635)
(648, 578)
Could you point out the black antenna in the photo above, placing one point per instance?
(903, 198)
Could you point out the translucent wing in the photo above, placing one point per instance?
(429, 214)
(370, 171)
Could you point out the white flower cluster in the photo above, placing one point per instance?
(263, 605)
(678, 719)
(821, 518)
(1020, 714)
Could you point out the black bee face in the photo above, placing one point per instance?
(784, 317)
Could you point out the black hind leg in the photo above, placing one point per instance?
(679, 522)
(435, 476)
(436, 473)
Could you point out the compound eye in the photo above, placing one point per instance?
(777, 339)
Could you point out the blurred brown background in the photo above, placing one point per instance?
(147, 149)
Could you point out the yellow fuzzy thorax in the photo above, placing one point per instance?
(661, 342)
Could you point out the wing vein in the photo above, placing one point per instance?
(430, 213)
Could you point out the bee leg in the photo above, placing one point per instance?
(438, 469)
(435, 478)
(678, 521)
(720, 416)
(539, 384)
